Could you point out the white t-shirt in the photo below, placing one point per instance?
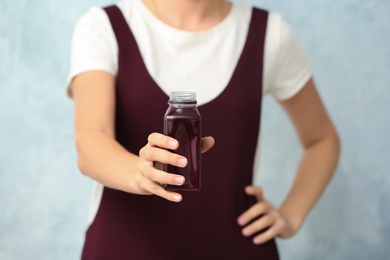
(202, 61)
(198, 61)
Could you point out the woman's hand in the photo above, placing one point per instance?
(150, 175)
(264, 217)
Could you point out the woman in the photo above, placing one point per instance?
(125, 60)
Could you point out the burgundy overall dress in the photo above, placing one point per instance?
(204, 225)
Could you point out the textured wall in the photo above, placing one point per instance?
(44, 200)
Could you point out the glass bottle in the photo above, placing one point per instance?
(183, 122)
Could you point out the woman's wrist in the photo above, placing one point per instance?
(293, 223)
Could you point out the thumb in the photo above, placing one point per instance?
(256, 191)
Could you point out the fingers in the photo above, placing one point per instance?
(158, 190)
(153, 151)
(156, 154)
(258, 225)
(270, 225)
(160, 176)
(256, 210)
(261, 217)
(149, 180)
(253, 212)
(207, 143)
(273, 231)
(163, 141)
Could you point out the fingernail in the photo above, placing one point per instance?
(179, 180)
(182, 161)
(241, 221)
(257, 240)
(246, 231)
(172, 143)
(177, 198)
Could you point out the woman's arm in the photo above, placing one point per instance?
(321, 146)
(102, 158)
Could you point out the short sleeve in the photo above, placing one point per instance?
(287, 68)
(93, 46)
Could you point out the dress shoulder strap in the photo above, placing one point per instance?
(121, 28)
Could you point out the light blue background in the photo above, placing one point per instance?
(44, 200)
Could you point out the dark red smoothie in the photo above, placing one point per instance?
(182, 121)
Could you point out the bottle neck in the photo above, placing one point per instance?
(178, 105)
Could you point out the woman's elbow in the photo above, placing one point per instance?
(81, 160)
